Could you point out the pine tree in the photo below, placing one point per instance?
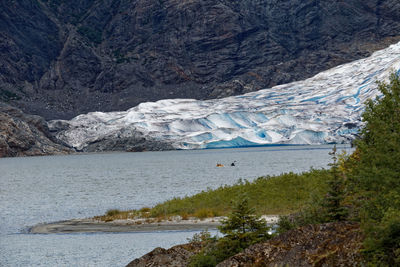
(336, 192)
(243, 226)
(241, 229)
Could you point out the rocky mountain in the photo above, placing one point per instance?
(26, 135)
(61, 58)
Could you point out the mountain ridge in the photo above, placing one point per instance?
(62, 58)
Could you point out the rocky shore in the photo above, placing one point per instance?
(26, 135)
(330, 244)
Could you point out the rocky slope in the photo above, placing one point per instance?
(26, 135)
(176, 256)
(61, 58)
(331, 244)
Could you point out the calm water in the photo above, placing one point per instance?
(53, 188)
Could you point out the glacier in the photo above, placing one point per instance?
(323, 109)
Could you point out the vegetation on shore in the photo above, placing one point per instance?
(282, 194)
(240, 229)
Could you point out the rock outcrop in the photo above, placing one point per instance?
(331, 244)
(62, 58)
(135, 143)
(127, 139)
(176, 256)
(26, 135)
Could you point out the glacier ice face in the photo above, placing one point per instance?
(323, 109)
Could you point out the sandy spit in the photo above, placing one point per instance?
(93, 226)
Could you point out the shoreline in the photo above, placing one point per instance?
(131, 226)
(79, 152)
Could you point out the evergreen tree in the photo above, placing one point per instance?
(243, 225)
(336, 192)
(241, 229)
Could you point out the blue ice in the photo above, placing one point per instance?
(236, 142)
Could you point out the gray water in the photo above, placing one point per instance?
(46, 189)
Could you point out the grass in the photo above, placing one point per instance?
(282, 194)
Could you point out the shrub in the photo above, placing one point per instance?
(112, 212)
(241, 229)
(145, 209)
(203, 260)
(204, 213)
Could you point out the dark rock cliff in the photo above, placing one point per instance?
(26, 135)
(60, 58)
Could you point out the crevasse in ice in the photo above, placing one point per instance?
(323, 109)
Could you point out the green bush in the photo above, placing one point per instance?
(113, 212)
(203, 213)
(382, 244)
(241, 229)
(203, 260)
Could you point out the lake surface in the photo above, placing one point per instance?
(46, 189)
